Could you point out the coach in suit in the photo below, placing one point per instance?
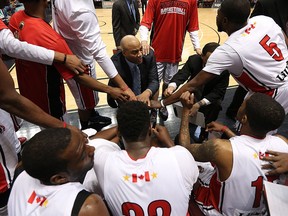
(138, 71)
(125, 19)
(210, 96)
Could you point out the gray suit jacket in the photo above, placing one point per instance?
(148, 70)
(122, 20)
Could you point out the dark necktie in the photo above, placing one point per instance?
(136, 80)
(132, 9)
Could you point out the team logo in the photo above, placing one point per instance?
(21, 25)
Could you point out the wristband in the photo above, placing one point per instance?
(224, 129)
(162, 103)
(64, 61)
(64, 125)
(125, 88)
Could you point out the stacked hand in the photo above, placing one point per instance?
(144, 97)
(278, 162)
(187, 100)
(74, 64)
(214, 126)
(119, 94)
(131, 94)
(169, 91)
(163, 136)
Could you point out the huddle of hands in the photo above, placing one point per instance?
(278, 162)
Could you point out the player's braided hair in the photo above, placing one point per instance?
(264, 113)
(41, 155)
(133, 120)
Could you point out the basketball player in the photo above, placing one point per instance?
(142, 178)
(77, 22)
(14, 48)
(255, 54)
(52, 187)
(29, 25)
(171, 20)
(234, 186)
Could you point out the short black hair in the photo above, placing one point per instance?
(41, 156)
(209, 47)
(28, 1)
(133, 120)
(264, 114)
(237, 11)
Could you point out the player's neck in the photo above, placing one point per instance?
(35, 10)
(234, 27)
(137, 150)
(251, 133)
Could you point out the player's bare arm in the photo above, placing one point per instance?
(72, 62)
(18, 105)
(121, 84)
(187, 101)
(93, 206)
(200, 79)
(90, 82)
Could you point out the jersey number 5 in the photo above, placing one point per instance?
(272, 48)
(165, 207)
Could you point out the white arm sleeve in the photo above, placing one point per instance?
(195, 39)
(88, 31)
(11, 46)
(144, 31)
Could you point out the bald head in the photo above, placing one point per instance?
(131, 49)
(128, 41)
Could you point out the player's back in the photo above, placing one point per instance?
(154, 184)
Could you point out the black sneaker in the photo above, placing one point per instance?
(163, 113)
(97, 118)
(98, 122)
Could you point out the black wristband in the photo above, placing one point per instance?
(65, 57)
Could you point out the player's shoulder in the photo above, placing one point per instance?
(93, 205)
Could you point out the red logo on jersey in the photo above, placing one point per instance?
(145, 177)
(36, 199)
(252, 26)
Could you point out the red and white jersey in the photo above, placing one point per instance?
(40, 83)
(171, 20)
(9, 145)
(256, 56)
(14, 48)
(30, 197)
(160, 182)
(241, 193)
(2, 25)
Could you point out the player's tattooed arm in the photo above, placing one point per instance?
(204, 152)
(184, 135)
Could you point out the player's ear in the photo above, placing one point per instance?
(244, 119)
(59, 178)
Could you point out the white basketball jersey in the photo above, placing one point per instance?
(9, 144)
(30, 197)
(242, 192)
(263, 52)
(154, 185)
